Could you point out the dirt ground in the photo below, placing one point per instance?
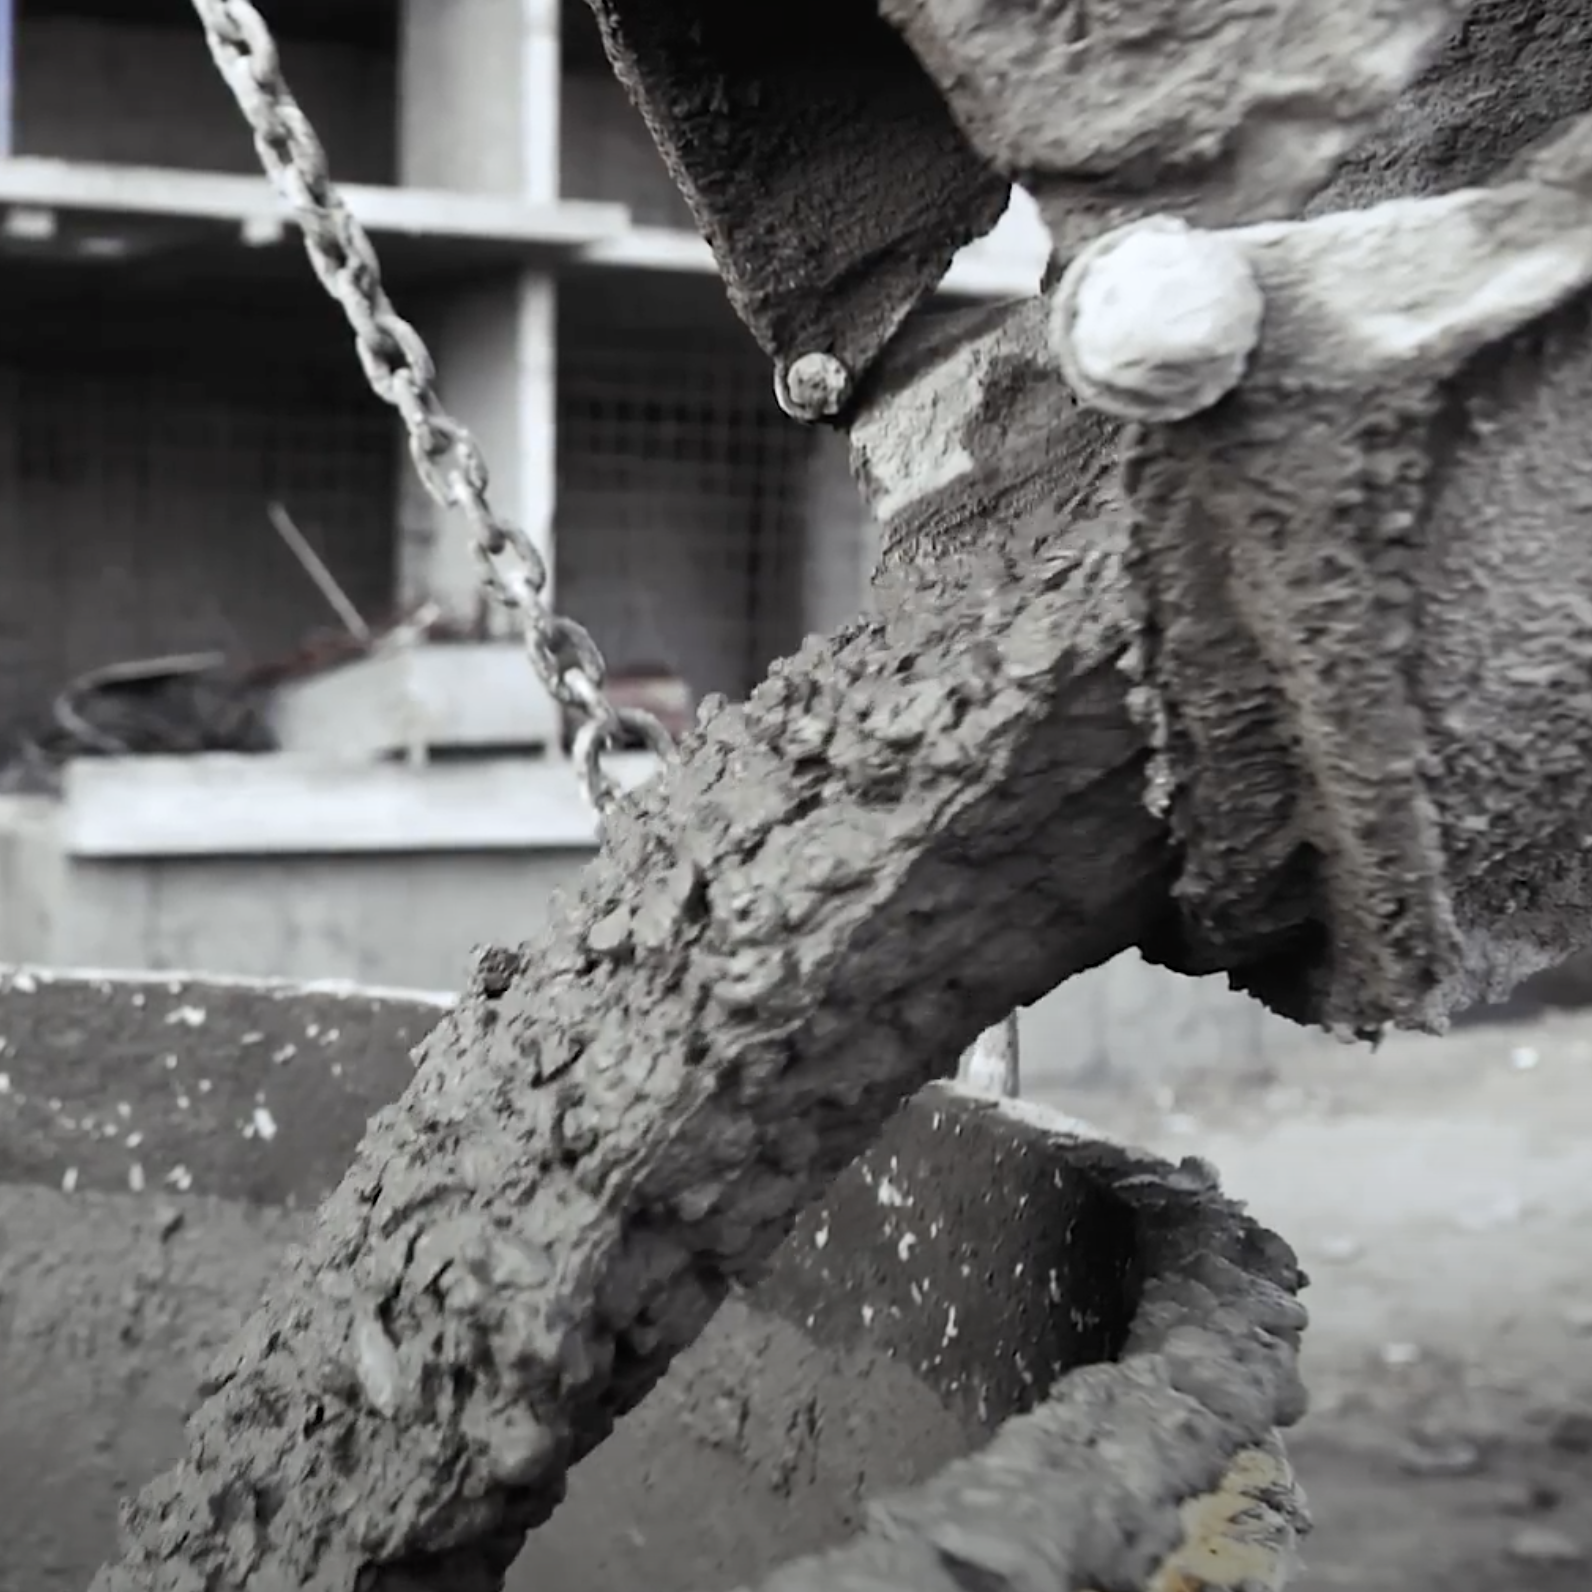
(1439, 1193)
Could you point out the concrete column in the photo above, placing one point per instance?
(478, 96)
(478, 113)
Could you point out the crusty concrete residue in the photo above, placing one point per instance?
(1368, 626)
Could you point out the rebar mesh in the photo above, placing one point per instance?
(137, 461)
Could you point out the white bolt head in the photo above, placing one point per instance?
(1156, 321)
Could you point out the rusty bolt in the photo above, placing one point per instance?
(813, 387)
(1156, 321)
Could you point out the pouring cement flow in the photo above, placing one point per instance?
(1233, 606)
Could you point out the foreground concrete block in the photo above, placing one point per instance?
(161, 1138)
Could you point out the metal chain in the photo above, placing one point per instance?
(401, 373)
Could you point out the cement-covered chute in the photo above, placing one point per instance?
(1345, 655)
(1289, 679)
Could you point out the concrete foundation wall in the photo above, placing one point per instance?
(1130, 1024)
(408, 921)
(415, 921)
(32, 876)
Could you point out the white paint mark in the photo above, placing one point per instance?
(867, 1315)
(188, 1016)
(821, 1237)
(124, 1111)
(890, 1195)
(950, 1323)
(180, 1179)
(264, 1123)
(135, 1178)
(286, 1053)
(169, 1062)
(134, 1139)
(69, 1180)
(905, 1247)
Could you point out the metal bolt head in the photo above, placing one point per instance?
(813, 387)
(1156, 321)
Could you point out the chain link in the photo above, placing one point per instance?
(401, 372)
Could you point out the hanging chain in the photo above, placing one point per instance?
(401, 373)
